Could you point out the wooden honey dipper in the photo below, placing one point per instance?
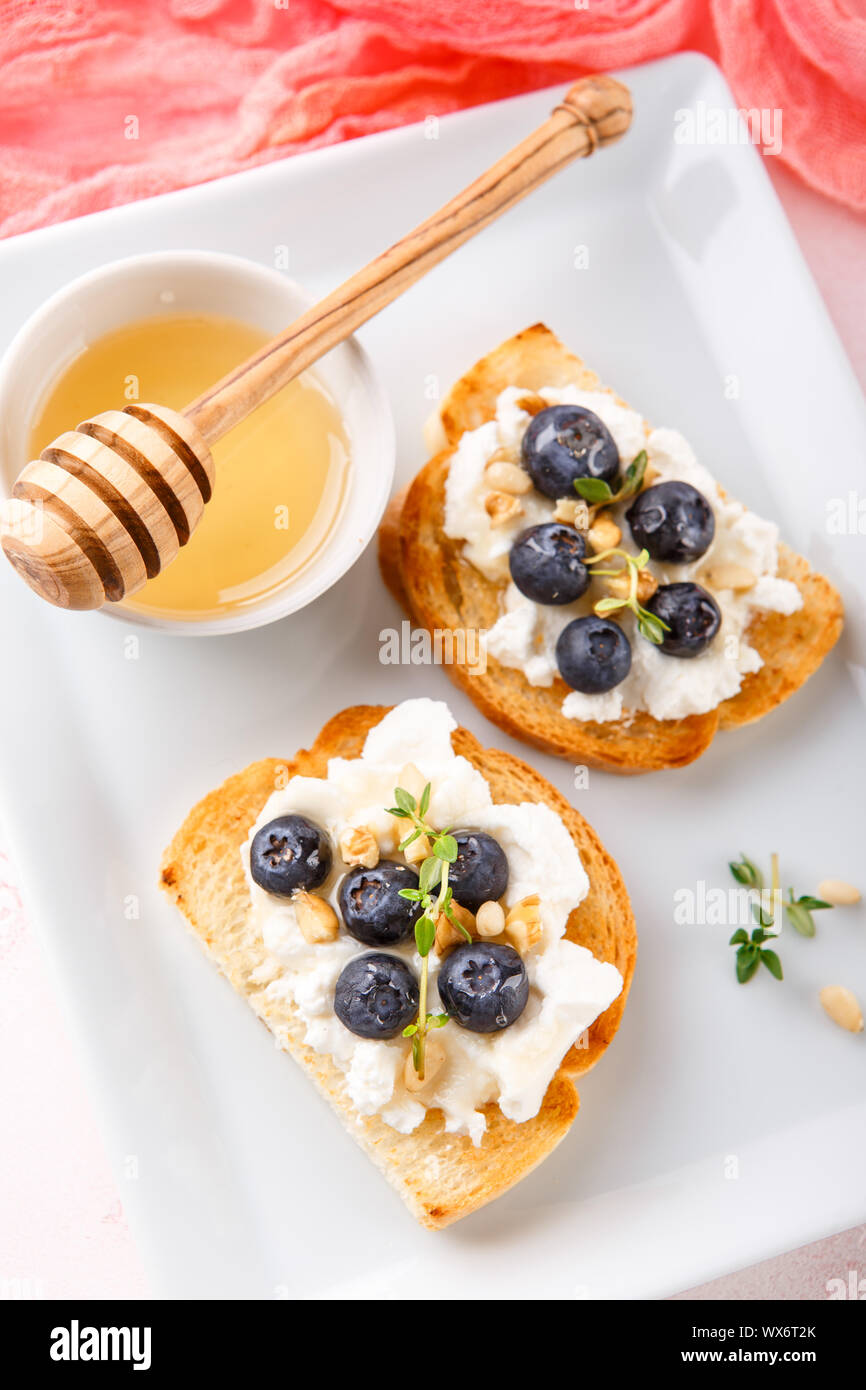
(108, 505)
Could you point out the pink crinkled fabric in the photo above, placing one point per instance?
(105, 101)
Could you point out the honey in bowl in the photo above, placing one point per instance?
(280, 474)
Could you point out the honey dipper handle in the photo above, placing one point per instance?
(593, 113)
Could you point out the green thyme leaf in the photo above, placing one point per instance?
(431, 873)
(609, 605)
(761, 916)
(425, 935)
(739, 937)
(651, 627)
(396, 811)
(593, 490)
(748, 960)
(800, 919)
(633, 479)
(811, 904)
(772, 962)
(446, 847)
(746, 872)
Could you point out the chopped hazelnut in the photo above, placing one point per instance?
(502, 507)
(619, 585)
(523, 924)
(572, 511)
(447, 933)
(358, 845)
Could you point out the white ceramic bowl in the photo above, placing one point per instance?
(206, 282)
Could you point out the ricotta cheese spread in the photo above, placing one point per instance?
(569, 988)
(526, 633)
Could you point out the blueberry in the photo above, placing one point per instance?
(372, 908)
(593, 655)
(546, 563)
(484, 987)
(673, 521)
(288, 853)
(479, 874)
(565, 442)
(692, 615)
(376, 995)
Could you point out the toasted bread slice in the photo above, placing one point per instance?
(441, 1177)
(425, 570)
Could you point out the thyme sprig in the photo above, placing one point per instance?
(434, 895)
(751, 951)
(747, 873)
(600, 494)
(649, 626)
(799, 912)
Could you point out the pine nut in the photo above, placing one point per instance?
(838, 892)
(603, 534)
(418, 850)
(736, 577)
(507, 477)
(843, 1008)
(316, 918)
(490, 919)
(617, 585)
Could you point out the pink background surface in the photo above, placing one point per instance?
(62, 1229)
(214, 86)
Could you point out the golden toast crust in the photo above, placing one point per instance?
(426, 572)
(441, 1177)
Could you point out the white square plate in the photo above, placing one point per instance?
(726, 1123)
